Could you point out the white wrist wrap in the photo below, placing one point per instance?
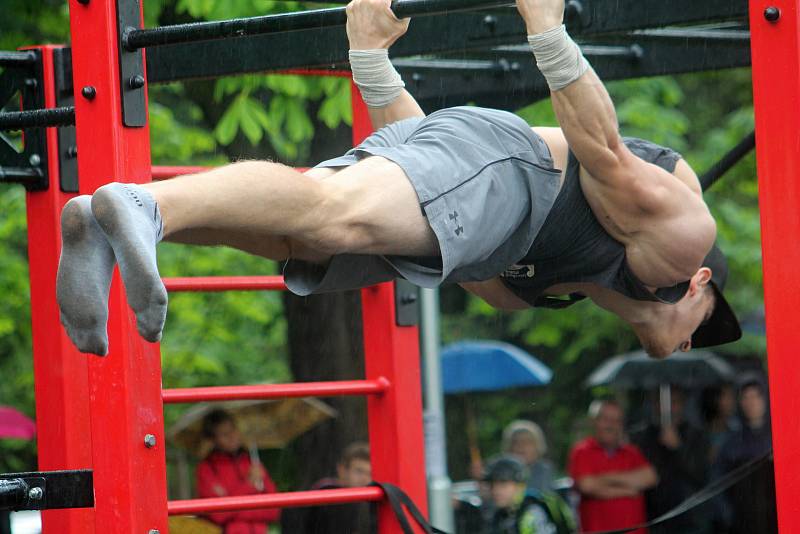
(558, 57)
(375, 76)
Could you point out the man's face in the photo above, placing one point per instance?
(355, 474)
(524, 447)
(227, 437)
(754, 405)
(506, 492)
(609, 425)
(678, 322)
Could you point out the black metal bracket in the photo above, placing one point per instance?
(67, 140)
(406, 303)
(47, 490)
(132, 83)
(29, 165)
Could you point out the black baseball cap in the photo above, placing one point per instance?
(722, 326)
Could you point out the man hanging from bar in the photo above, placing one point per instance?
(465, 195)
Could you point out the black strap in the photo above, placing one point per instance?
(398, 499)
(707, 493)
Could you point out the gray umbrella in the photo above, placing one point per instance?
(693, 369)
(638, 370)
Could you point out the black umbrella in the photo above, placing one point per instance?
(638, 370)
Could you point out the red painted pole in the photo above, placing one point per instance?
(775, 43)
(125, 386)
(276, 391)
(275, 500)
(225, 283)
(60, 371)
(395, 418)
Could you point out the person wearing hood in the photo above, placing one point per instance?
(227, 471)
(751, 501)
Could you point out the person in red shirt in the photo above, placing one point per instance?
(228, 470)
(610, 474)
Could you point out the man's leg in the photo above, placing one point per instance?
(262, 208)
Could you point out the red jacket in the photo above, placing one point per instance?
(222, 474)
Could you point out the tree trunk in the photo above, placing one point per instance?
(325, 343)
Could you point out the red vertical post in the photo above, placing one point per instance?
(391, 351)
(775, 36)
(125, 386)
(60, 371)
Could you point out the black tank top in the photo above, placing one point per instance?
(572, 246)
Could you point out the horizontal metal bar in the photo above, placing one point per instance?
(37, 118)
(47, 490)
(276, 391)
(285, 22)
(20, 174)
(728, 161)
(590, 50)
(275, 500)
(225, 283)
(437, 34)
(695, 33)
(10, 58)
(438, 64)
(435, 90)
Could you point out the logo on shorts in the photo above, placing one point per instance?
(519, 271)
(454, 217)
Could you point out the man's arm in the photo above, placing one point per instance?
(496, 294)
(667, 217)
(618, 483)
(371, 26)
(638, 479)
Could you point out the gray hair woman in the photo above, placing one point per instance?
(525, 440)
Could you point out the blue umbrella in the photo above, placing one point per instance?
(490, 366)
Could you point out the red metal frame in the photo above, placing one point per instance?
(225, 283)
(391, 351)
(275, 500)
(776, 91)
(60, 371)
(125, 386)
(277, 391)
(122, 391)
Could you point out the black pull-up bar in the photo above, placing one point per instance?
(13, 59)
(134, 39)
(37, 118)
(727, 161)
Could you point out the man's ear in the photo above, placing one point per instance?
(700, 280)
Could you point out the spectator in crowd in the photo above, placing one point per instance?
(679, 453)
(610, 474)
(353, 470)
(718, 407)
(516, 510)
(228, 470)
(526, 440)
(752, 500)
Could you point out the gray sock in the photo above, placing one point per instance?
(129, 217)
(84, 277)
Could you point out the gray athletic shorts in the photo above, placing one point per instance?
(485, 182)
